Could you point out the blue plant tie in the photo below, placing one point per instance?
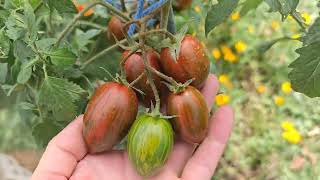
(154, 6)
(138, 15)
(114, 4)
(151, 22)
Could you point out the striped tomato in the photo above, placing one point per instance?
(109, 115)
(191, 63)
(134, 67)
(150, 142)
(190, 109)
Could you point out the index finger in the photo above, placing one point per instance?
(62, 153)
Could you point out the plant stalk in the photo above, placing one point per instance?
(148, 72)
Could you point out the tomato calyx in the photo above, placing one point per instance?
(121, 80)
(178, 87)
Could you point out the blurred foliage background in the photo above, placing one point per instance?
(276, 132)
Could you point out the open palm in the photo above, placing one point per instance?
(66, 156)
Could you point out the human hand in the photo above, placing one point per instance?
(66, 156)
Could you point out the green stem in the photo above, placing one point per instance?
(134, 37)
(88, 23)
(163, 76)
(123, 5)
(72, 24)
(295, 16)
(137, 79)
(38, 6)
(148, 72)
(165, 11)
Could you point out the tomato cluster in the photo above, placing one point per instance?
(112, 110)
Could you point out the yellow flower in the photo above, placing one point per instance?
(292, 136)
(240, 46)
(296, 36)
(228, 55)
(216, 53)
(235, 16)
(261, 89)
(279, 100)
(251, 29)
(286, 87)
(290, 17)
(306, 17)
(288, 126)
(275, 25)
(222, 99)
(223, 78)
(197, 9)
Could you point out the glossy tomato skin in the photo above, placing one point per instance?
(109, 115)
(134, 67)
(150, 141)
(181, 4)
(191, 112)
(192, 62)
(115, 27)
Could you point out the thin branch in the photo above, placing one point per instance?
(134, 37)
(72, 24)
(137, 79)
(163, 76)
(148, 72)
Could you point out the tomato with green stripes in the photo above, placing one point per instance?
(150, 142)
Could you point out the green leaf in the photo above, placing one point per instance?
(26, 106)
(26, 71)
(58, 95)
(249, 5)
(44, 131)
(313, 34)
(3, 17)
(62, 57)
(62, 6)
(8, 89)
(305, 74)
(22, 51)
(46, 43)
(4, 45)
(84, 38)
(284, 7)
(30, 21)
(218, 13)
(3, 72)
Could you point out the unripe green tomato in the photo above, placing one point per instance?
(150, 142)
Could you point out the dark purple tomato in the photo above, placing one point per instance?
(190, 109)
(109, 115)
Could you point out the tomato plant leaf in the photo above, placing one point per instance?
(249, 5)
(3, 72)
(46, 43)
(26, 71)
(4, 45)
(218, 13)
(313, 34)
(21, 50)
(30, 21)
(26, 106)
(44, 131)
(62, 6)
(58, 96)
(62, 57)
(284, 7)
(305, 73)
